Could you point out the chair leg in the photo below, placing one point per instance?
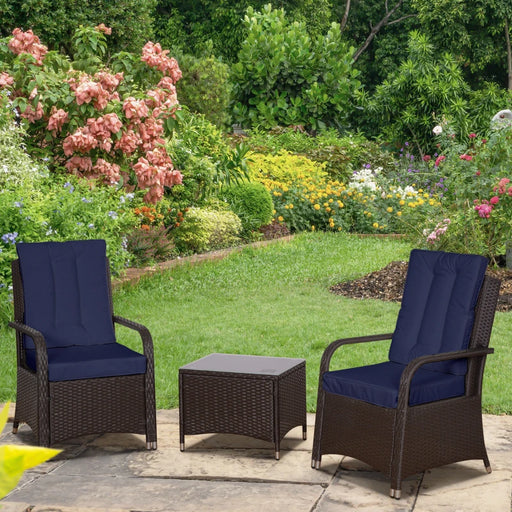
(315, 464)
(15, 425)
(487, 464)
(395, 493)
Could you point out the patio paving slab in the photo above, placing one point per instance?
(217, 472)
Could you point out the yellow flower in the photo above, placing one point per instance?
(375, 225)
(402, 202)
(399, 214)
(290, 206)
(389, 209)
(286, 207)
(328, 209)
(280, 218)
(340, 204)
(411, 205)
(312, 228)
(316, 206)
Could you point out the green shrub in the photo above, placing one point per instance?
(252, 202)
(149, 244)
(205, 88)
(342, 155)
(17, 169)
(205, 229)
(285, 77)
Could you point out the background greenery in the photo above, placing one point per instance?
(283, 291)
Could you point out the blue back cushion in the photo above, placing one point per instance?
(437, 312)
(65, 291)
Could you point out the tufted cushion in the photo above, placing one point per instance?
(65, 291)
(90, 361)
(378, 384)
(437, 312)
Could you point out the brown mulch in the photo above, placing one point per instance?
(388, 283)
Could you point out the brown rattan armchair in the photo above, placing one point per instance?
(73, 378)
(422, 408)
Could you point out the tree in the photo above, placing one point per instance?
(477, 32)
(426, 86)
(192, 25)
(56, 20)
(285, 76)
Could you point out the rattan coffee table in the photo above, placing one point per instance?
(260, 397)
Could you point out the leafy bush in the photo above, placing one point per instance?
(88, 119)
(252, 202)
(207, 161)
(55, 21)
(205, 88)
(426, 84)
(205, 229)
(477, 205)
(149, 244)
(342, 155)
(285, 77)
(17, 169)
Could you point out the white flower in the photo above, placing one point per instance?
(438, 130)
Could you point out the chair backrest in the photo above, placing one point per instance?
(66, 292)
(438, 307)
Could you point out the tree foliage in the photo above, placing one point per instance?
(426, 85)
(284, 76)
(56, 21)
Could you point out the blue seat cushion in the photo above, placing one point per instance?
(90, 361)
(438, 307)
(65, 292)
(378, 384)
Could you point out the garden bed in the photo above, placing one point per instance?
(387, 284)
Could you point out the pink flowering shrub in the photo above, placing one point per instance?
(92, 121)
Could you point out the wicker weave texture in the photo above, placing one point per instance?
(265, 407)
(409, 439)
(56, 411)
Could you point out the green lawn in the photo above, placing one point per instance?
(271, 301)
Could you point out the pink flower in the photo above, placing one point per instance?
(33, 115)
(128, 142)
(27, 42)
(477, 173)
(5, 79)
(135, 109)
(495, 200)
(155, 57)
(79, 165)
(57, 120)
(484, 210)
(81, 141)
(468, 158)
(427, 158)
(439, 159)
(472, 135)
(102, 28)
(108, 81)
(108, 172)
(502, 185)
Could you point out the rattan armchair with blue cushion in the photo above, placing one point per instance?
(73, 377)
(421, 408)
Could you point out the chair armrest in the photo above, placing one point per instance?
(413, 366)
(39, 343)
(147, 340)
(335, 345)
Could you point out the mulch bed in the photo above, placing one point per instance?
(388, 283)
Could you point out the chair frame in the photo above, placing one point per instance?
(67, 409)
(406, 440)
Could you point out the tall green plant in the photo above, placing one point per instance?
(285, 76)
(425, 86)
